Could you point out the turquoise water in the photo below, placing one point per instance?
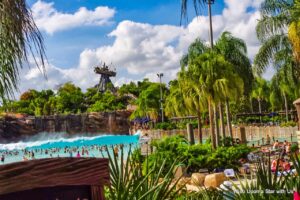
(82, 146)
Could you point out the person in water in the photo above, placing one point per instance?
(78, 154)
(116, 151)
(2, 158)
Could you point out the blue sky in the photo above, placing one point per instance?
(140, 37)
(145, 11)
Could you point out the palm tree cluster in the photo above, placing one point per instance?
(212, 76)
(209, 79)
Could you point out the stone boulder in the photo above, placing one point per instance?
(214, 180)
(183, 182)
(198, 179)
(179, 171)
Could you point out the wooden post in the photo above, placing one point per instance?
(243, 135)
(190, 133)
(97, 192)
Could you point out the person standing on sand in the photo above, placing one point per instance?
(78, 154)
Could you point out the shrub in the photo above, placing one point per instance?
(294, 148)
(165, 126)
(288, 124)
(195, 157)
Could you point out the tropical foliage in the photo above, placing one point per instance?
(20, 41)
(130, 181)
(194, 157)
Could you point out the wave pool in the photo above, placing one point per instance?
(61, 146)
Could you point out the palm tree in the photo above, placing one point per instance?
(197, 6)
(271, 31)
(20, 40)
(184, 100)
(194, 102)
(234, 50)
(286, 88)
(175, 105)
(260, 91)
(294, 29)
(213, 74)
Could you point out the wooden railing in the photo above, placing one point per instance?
(254, 133)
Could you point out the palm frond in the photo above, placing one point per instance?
(267, 51)
(268, 26)
(197, 4)
(20, 41)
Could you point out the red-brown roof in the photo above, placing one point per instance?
(53, 172)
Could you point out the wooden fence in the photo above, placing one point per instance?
(253, 133)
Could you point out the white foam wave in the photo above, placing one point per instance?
(22, 145)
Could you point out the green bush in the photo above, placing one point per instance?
(165, 126)
(195, 157)
(288, 124)
(294, 147)
(168, 149)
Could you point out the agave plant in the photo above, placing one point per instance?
(128, 182)
(293, 182)
(203, 194)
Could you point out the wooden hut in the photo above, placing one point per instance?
(55, 179)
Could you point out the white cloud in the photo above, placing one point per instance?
(144, 49)
(50, 20)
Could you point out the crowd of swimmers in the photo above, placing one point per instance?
(84, 151)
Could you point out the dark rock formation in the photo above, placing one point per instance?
(13, 129)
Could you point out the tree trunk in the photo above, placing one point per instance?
(217, 130)
(199, 127)
(251, 104)
(222, 126)
(259, 107)
(228, 118)
(211, 123)
(286, 108)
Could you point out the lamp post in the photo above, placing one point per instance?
(159, 75)
(209, 3)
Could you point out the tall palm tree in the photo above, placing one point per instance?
(197, 6)
(276, 16)
(214, 75)
(20, 40)
(195, 103)
(285, 88)
(234, 50)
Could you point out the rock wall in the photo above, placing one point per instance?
(13, 128)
